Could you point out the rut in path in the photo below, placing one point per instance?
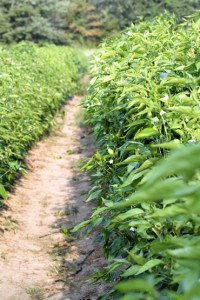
(36, 260)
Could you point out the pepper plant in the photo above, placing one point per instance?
(34, 84)
(144, 103)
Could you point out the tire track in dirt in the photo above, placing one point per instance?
(36, 260)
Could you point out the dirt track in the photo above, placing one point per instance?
(36, 260)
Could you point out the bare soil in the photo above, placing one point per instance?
(37, 261)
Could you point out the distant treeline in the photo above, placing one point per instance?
(66, 21)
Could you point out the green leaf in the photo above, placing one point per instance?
(182, 109)
(132, 158)
(93, 195)
(129, 214)
(146, 133)
(110, 151)
(186, 252)
(168, 188)
(93, 80)
(175, 144)
(80, 226)
(186, 160)
(131, 271)
(138, 259)
(135, 285)
(3, 192)
(109, 78)
(65, 231)
(169, 81)
(99, 211)
(147, 164)
(133, 176)
(149, 265)
(171, 211)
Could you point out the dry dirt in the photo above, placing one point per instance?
(36, 260)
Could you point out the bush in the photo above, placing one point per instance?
(34, 83)
(144, 101)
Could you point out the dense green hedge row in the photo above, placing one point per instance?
(144, 101)
(34, 83)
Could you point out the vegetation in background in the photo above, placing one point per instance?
(33, 20)
(82, 21)
(34, 83)
(144, 101)
(118, 14)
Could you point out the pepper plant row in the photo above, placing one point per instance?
(34, 84)
(144, 107)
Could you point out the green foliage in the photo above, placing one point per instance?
(82, 21)
(36, 21)
(59, 22)
(144, 101)
(34, 83)
(118, 14)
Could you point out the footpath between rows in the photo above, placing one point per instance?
(36, 259)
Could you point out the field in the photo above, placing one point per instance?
(34, 84)
(143, 107)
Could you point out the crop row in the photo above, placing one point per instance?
(34, 84)
(144, 107)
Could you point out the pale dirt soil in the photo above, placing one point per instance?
(36, 260)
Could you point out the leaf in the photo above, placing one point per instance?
(80, 226)
(186, 252)
(149, 265)
(171, 211)
(65, 231)
(135, 285)
(185, 160)
(3, 192)
(181, 109)
(131, 271)
(108, 78)
(138, 259)
(93, 195)
(175, 144)
(129, 214)
(169, 81)
(132, 158)
(93, 80)
(147, 164)
(146, 133)
(168, 188)
(110, 151)
(133, 176)
(99, 211)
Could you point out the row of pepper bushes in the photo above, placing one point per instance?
(144, 108)
(34, 83)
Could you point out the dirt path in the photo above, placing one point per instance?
(36, 260)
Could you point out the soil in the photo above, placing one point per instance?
(37, 261)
